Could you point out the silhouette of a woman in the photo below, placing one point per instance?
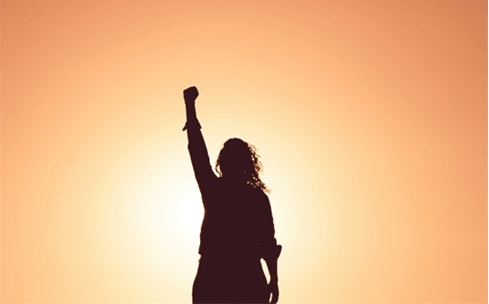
(237, 230)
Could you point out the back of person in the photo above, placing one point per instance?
(232, 223)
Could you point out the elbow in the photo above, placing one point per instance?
(271, 252)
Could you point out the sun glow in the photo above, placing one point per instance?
(370, 116)
(168, 205)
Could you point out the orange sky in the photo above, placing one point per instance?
(370, 117)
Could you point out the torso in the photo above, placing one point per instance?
(229, 226)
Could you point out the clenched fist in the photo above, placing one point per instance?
(190, 94)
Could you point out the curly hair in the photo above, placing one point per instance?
(242, 157)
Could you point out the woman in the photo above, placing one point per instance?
(237, 230)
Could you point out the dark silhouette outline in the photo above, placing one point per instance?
(237, 229)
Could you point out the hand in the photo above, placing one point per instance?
(273, 287)
(190, 94)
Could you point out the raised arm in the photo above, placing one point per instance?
(196, 144)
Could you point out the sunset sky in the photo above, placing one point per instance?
(370, 117)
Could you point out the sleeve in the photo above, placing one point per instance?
(199, 156)
(267, 241)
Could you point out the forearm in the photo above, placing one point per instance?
(272, 268)
(192, 121)
(190, 109)
(196, 144)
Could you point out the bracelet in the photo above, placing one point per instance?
(192, 123)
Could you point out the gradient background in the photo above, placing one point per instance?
(370, 117)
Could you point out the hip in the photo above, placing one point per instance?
(230, 280)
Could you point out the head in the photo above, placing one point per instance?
(239, 161)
